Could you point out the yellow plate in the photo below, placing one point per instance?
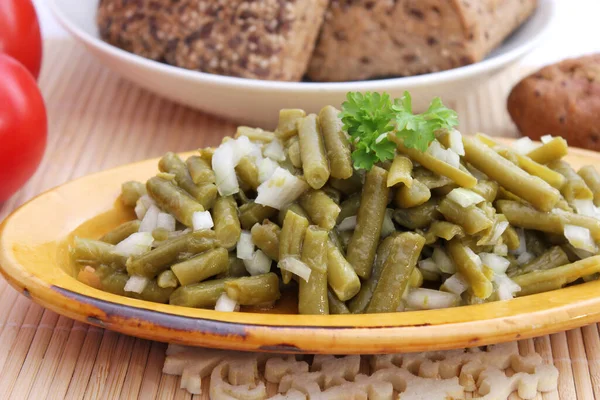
(34, 259)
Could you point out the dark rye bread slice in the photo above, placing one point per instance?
(260, 39)
(363, 39)
(562, 99)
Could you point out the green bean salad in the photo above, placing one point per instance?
(367, 209)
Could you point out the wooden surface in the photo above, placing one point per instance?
(98, 121)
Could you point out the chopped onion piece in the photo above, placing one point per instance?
(546, 138)
(501, 250)
(456, 143)
(505, 287)
(499, 229)
(140, 210)
(347, 224)
(581, 253)
(524, 145)
(456, 284)
(147, 200)
(260, 263)
(150, 221)
(388, 227)
(497, 263)
(136, 283)
(255, 153)
(465, 197)
(443, 261)
(242, 146)
(224, 161)
(280, 189)
(427, 264)
(296, 267)
(522, 243)
(428, 299)
(166, 222)
(266, 169)
(134, 245)
(580, 238)
(525, 257)
(446, 155)
(202, 220)
(226, 303)
(274, 151)
(587, 208)
(245, 246)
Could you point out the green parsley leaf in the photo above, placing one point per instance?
(369, 117)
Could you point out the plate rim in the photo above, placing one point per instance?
(321, 338)
(546, 7)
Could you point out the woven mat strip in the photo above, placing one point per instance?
(98, 121)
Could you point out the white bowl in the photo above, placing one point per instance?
(257, 102)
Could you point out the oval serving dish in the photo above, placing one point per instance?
(34, 258)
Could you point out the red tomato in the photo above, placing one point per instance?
(23, 126)
(20, 33)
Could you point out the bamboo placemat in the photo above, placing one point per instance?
(97, 121)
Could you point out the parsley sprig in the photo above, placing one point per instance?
(368, 118)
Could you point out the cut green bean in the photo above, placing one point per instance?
(173, 200)
(359, 303)
(472, 219)
(247, 173)
(198, 295)
(152, 292)
(312, 152)
(508, 175)
(444, 230)
(200, 170)
(336, 143)
(294, 207)
(430, 179)
(333, 194)
(114, 282)
(551, 258)
(397, 270)
(470, 267)
(418, 217)
(253, 213)
(524, 216)
(258, 290)
(227, 222)
(341, 277)
(400, 172)
(336, 306)
(349, 207)
(288, 122)
(266, 237)
(235, 268)
(121, 232)
(172, 164)
(290, 239)
(591, 177)
(373, 203)
(95, 252)
(131, 192)
(554, 150)
(574, 187)
(159, 259)
(415, 195)
(293, 149)
(255, 134)
(321, 209)
(167, 279)
(348, 186)
(486, 189)
(312, 295)
(462, 178)
(202, 266)
(556, 278)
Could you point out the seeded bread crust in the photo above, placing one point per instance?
(259, 39)
(363, 39)
(562, 99)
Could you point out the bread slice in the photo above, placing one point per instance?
(261, 39)
(363, 39)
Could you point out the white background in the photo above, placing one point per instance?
(575, 31)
